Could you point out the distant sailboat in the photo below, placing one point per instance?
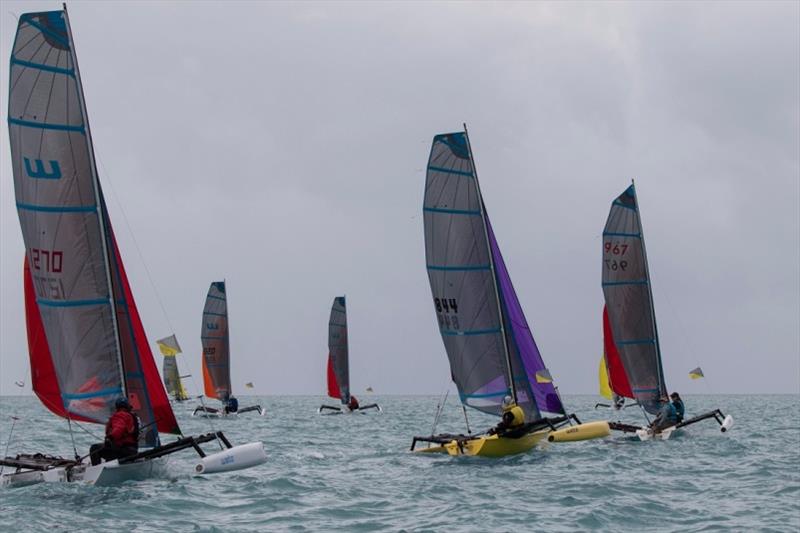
(216, 360)
(632, 349)
(493, 357)
(339, 363)
(170, 348)
(86, 342)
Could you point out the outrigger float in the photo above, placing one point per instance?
(216, 360)
(489, 344)
(86, 342)
(631, 349)
(339, 364)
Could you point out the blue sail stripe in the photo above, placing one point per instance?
(618, 234)
(42, 29)
(614, 283)
(459, 268)
(215, 297)
(214, 314)
(115, 391)
(646, 390)
(72, 303)
(46, 126)
(450, 171)
(487, 394)
(40, 66)
(57, 209)
(459, 333)
(638, 341)
(451, 211)
(206, 338)
(620, 204)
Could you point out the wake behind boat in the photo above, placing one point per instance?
(339, 364)
(494, 360)
(632, 351)
(87, 346)
(216, 360)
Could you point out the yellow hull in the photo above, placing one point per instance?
(489, 446)
(587, 431)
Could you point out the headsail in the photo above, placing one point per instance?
(216, 343)
(84, 309)
(602, 376)
(484, 331)
(338, 369)
(172, 379)
(629, 302)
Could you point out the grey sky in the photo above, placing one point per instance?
(282, 145)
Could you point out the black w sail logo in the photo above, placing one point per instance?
(39, 172)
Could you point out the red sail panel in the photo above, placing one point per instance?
(43, 373)
(159, 401)
(617, 378)
(333, 386)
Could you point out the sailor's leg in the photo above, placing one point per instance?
(94, 453)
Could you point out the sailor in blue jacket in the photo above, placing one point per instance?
(677, 403)
(667, 416)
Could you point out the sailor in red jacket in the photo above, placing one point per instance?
(122, 435)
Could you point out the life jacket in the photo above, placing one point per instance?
(518, 415)
(123, 429)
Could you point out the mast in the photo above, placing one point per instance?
(649, 289)
(228, 337)
(494, 275)
(101, 217)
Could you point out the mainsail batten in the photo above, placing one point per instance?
(629, 303)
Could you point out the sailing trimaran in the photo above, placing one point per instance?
(632, 350)
(215, 338)
(170, 349)
(338, 362)
(488, 341)
(86, 342)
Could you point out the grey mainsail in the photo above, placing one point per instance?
(338, 364)
(59, 207)
(216, 343)
(629, 301)
(484, 355)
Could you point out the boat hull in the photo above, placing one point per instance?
(109, 473)
(489, 445)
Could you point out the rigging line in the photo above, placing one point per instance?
(72, 437)
(8, 443)
(135, 243)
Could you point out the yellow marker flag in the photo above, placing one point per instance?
(697, 373)
(605, 389)
(169, 346)
(543, 376)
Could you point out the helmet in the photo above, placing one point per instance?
(508, 400)
(122, 403)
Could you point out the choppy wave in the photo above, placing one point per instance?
(354, 473)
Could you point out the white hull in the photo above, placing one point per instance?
(646, 434)
(109, 473)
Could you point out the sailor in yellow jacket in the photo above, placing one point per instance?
(513, 417)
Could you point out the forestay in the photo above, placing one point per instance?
(629, 302)
(338, 370)
(216, 343)
(87, 344)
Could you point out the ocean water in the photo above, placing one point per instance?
(354, 473)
